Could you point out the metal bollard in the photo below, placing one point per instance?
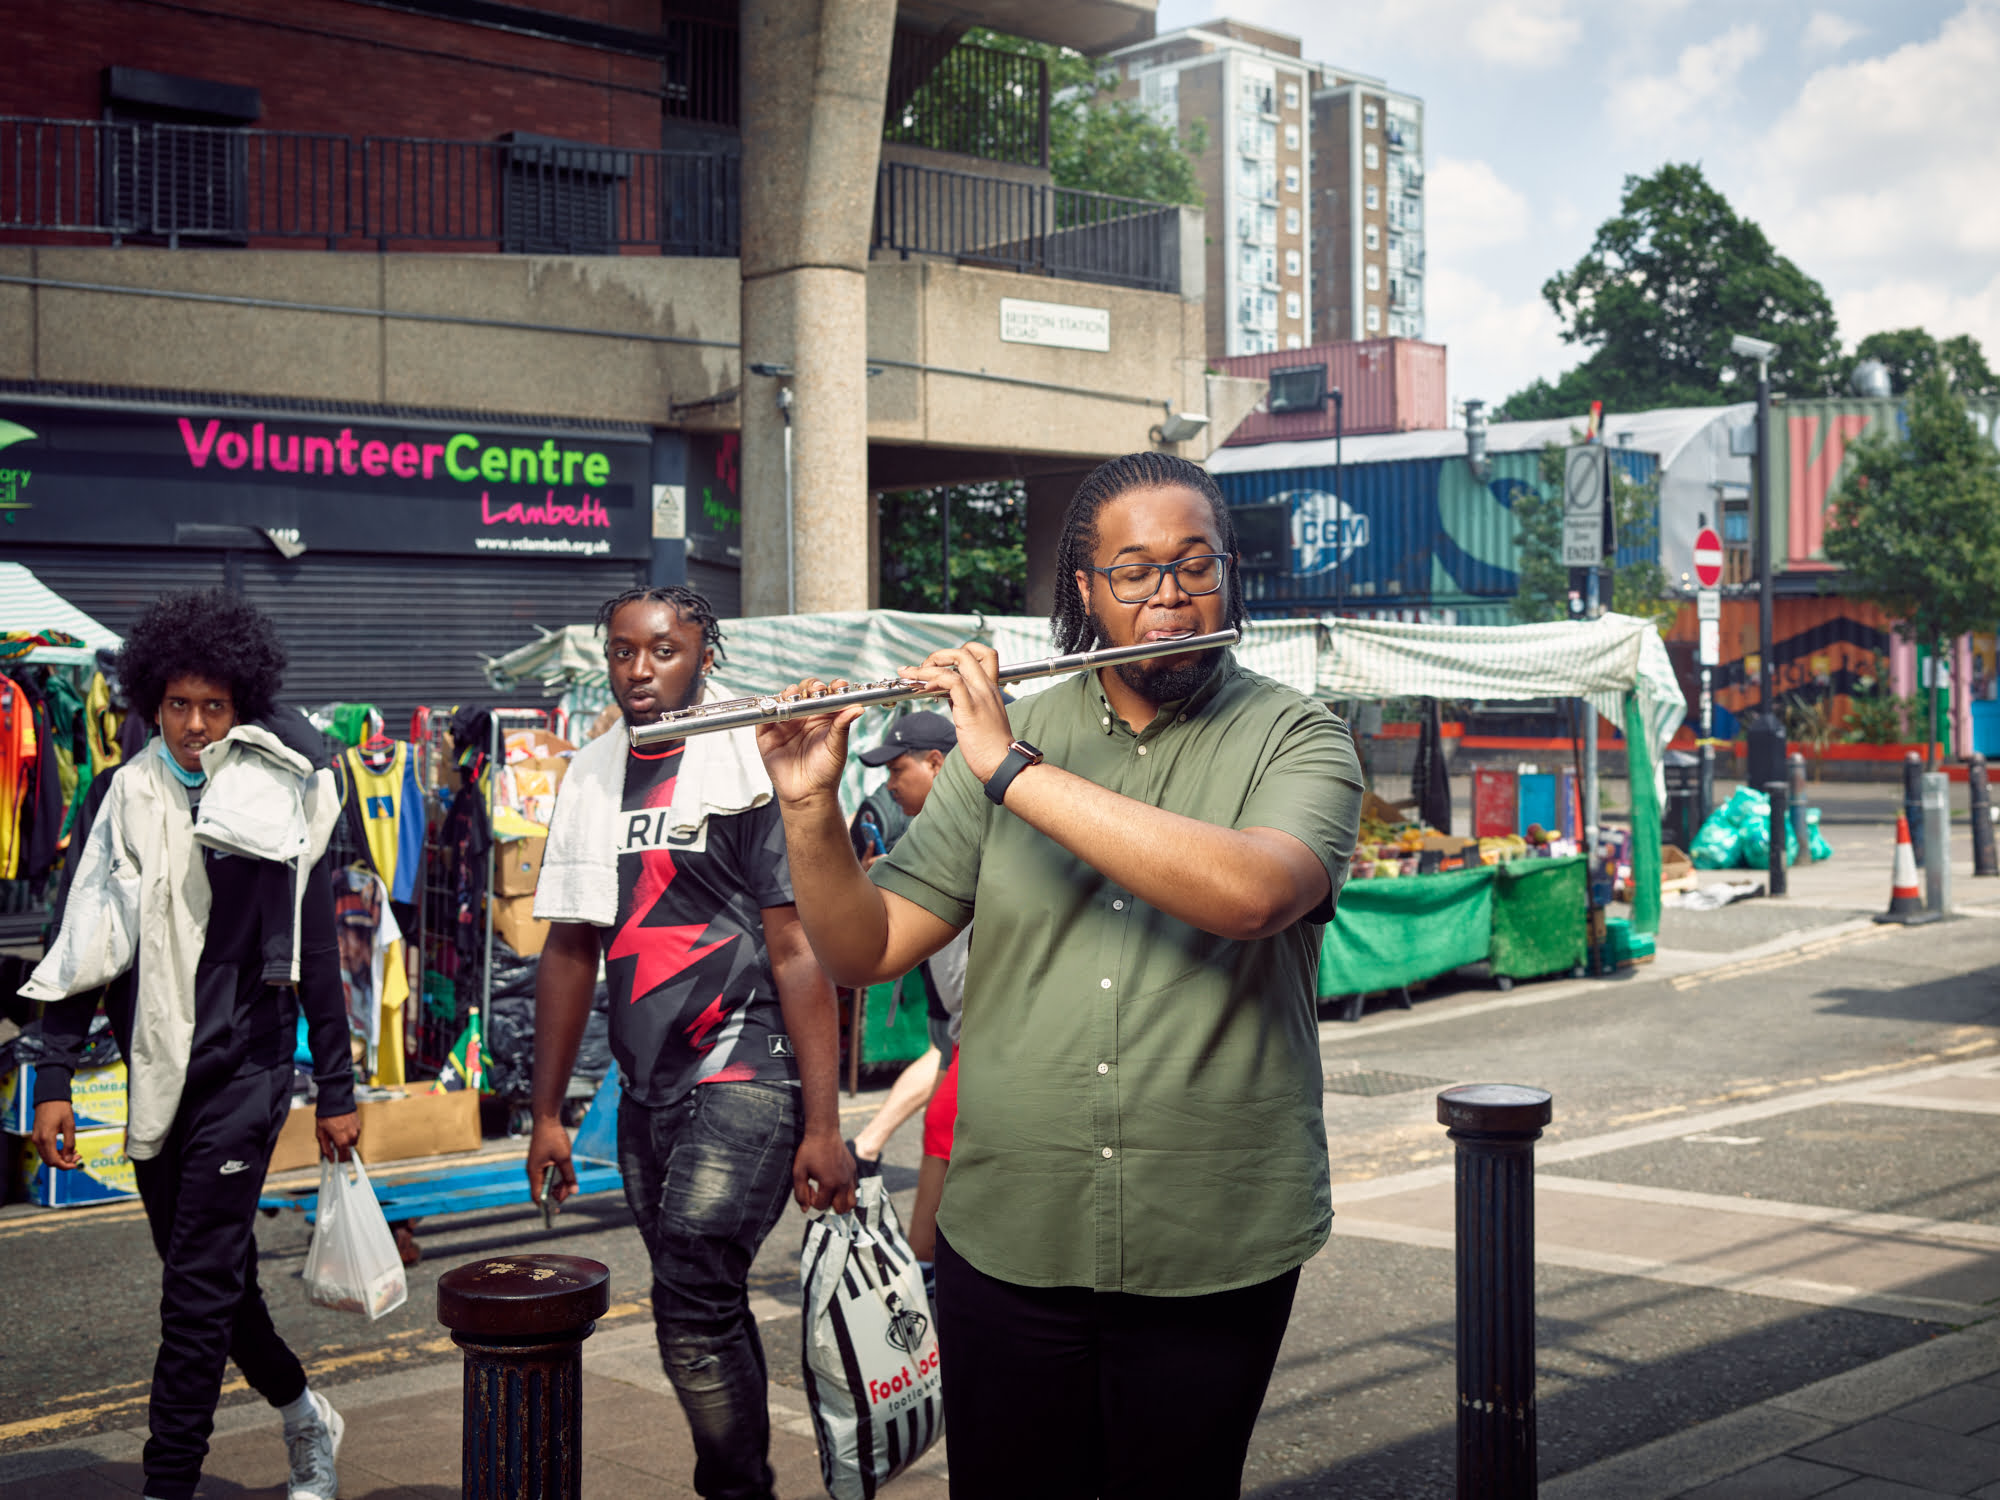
(522, 1321)
(1937, 842)
(1776, 792)
(1983, 862)
(1801, 824)
(1495, 1126)
(1913, 803)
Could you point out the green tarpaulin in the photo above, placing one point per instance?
(1525, 916)
(1538, 917)
(1387, 933)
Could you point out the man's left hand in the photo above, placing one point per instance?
(823, 1172)
(337, 1135)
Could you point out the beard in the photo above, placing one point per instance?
(1161, 679)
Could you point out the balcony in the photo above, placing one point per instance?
(90, 181)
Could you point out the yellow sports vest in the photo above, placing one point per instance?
(380, 795)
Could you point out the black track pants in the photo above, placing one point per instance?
(201, 1196)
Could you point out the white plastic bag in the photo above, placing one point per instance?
(353, 1265)
(871, 1361)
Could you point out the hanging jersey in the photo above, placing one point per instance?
(18, 754)
(392, 816)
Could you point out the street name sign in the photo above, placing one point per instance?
(1056, 325)
(1584, 475)
(1708, 604)
(1707, 557)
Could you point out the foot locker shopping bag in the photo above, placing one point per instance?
(871, 1346)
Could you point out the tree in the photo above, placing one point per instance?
(1100, 144)
(1909, 354)
(1637, 588)
(1667, 281)
(989, 556)
(1916, 524)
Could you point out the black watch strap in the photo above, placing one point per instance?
(1020, 755)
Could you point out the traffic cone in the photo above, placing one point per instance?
(1906, 897)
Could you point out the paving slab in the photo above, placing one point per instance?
(1937, 1164)
(1910, 1453)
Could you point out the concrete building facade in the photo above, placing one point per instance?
(1251, 91)
(1314, 183)
(1368, 209)
(682, 236)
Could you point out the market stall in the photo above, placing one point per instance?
(1524, 916)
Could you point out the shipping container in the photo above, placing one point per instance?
(1423, 533)
(1811, 453)
(1386, 385)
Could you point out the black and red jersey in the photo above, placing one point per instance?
(693, 1000)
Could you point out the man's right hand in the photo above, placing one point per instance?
(804, 757)
(548, 1145)
(55, 1135)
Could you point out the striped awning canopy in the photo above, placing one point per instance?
(29, 605)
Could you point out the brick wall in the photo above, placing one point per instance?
(350, 69)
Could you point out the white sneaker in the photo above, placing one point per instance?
(313, 1449)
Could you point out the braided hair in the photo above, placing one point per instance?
(1069, 620)
(689, 605)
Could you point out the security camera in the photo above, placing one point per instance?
(1749, 348)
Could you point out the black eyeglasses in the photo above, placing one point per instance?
(1136, 582)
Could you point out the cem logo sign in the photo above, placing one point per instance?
(12, 480)
(1326, 531)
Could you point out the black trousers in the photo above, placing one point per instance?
(200, 1195)
(1068, 1394)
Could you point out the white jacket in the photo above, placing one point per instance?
(141, 895)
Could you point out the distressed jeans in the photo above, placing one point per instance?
(707, 1178)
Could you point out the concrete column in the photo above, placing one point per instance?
(815, 75)
(1048, 499)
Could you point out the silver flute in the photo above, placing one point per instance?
(747, 713)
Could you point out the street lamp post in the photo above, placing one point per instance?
(1766, 737)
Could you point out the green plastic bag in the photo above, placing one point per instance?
(1719, 845)
(1821, 849)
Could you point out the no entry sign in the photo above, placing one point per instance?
(1707, 557)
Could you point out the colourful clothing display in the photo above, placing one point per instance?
(384, 787)
(371, 970)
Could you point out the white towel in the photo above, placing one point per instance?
(720, 774)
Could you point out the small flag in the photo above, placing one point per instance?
(465, 1067)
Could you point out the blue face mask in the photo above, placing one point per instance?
(188, 778)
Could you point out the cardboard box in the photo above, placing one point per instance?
(514, 924)
(104, 1177)
(419, 1124)
(298, 1142)
(517, 865)
(96, 1098)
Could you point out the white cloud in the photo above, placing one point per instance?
(1497, 346)
(1885, 169)
(1827, 32)
(1905, 302)
(1531, 34)
(1471, 208)
(1704, 76)
(1526, 33)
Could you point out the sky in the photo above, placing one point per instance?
(1864, 137)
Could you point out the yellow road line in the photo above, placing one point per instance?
(1845, 1075)
(410, 1343)
(1802, 954)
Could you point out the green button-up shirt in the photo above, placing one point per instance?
(1139, 1104)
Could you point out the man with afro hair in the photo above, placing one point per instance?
(210, 1080)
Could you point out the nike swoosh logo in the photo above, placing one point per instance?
(234, 1166)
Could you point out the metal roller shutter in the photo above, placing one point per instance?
(399, 631)
(721, 586)
(392, 631)
(114, 584)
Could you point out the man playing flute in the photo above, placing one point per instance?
(1140, 1162)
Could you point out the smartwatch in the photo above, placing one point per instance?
(1020, 755)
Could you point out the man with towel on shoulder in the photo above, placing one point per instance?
(671, 864)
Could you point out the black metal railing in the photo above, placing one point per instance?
(703, 75)
(201, 184)
(976, 101)
(1025, 226)
(192, 184)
